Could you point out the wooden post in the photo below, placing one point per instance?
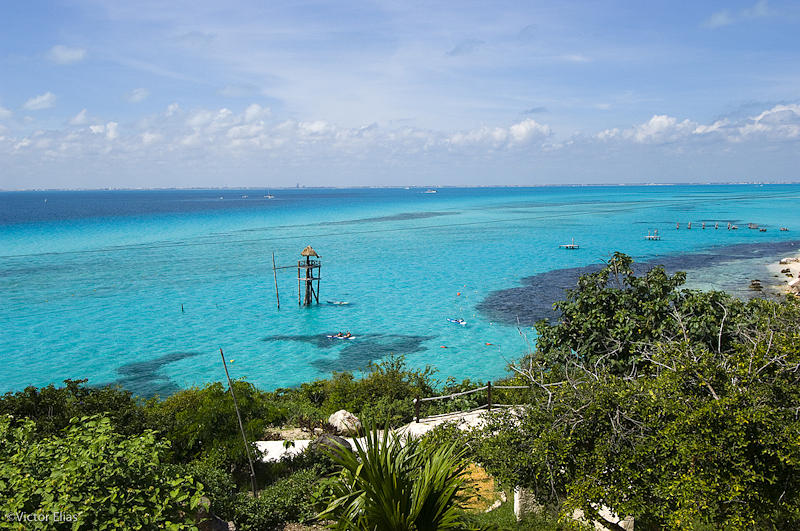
(319, 277)
(241, 427)
(416, 409)
(309, 283)
(275, 276)
(489, 395)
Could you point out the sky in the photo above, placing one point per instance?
(146, 93)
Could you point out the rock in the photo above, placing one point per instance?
(345, 423)
(626, 523)
(211, 522)
(525, 503)
(330, 442)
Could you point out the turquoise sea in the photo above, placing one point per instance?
(92, 283)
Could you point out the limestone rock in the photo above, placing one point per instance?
(329, 442)
(345, 423)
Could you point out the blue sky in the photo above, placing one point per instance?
(193, 93)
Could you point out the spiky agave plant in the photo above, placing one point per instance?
(392, 485)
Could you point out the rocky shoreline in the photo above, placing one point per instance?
(787, 274)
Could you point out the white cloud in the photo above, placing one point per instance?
(516, 134)
(172, 109)
(111, 130)
(608, 134)
(575, 58)
(662, 128)
(528, 129)
(79, 119)
(137, 95)
(4, 113)
(65, 55)
(719, 19)
(222, 139)
(713, 128)
(150, 138)
(255, 112)
(726, 17)
(779, 122)
(43, 101)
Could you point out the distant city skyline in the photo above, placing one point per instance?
(149, 94)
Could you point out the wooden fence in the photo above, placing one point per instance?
(487, 406)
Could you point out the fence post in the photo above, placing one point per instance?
(489, 395)
(416, 409)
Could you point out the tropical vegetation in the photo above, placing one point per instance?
(675, 406)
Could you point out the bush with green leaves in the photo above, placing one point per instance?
(52, 408)
(100, 478)
(201, 421)
(691, 425)
(383, 394)
(289, 499)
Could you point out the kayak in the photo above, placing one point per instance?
(340, 337)
(339, 303)
(462, 322)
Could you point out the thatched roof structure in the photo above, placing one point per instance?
(309, 251)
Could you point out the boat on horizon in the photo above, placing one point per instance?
(429, 191)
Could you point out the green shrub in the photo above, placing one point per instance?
(218, 484)
(201, 422)
(105, 479)
(679, 408)
(51, 408)
(290, 499)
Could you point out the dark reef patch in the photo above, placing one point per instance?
(318, 340)
(144, 378)
(534, 300)
(358, 353)
(397, 217)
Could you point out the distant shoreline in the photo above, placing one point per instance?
(401, 187)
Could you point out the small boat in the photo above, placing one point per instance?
(244, 197)
(430, 191)
(338, 303)
(784, 229)
(268, 195)
(762, 229)
(752, 225)
(460, 321)
(572, 245)
(334, 336)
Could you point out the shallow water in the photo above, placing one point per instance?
(93, 282)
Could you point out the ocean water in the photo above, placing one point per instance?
(92, 283)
